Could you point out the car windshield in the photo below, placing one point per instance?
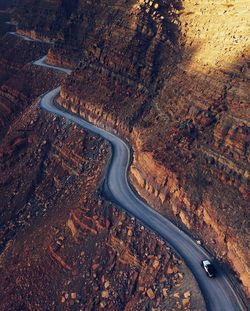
(210, 268)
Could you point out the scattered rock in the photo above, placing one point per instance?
(176, 295)
(105, 294)
(106, 284)
(165, 292)
(130, 232)
(187, 294)
(171, 270)
(185, 302)
(73, 295)
(102, 305)
(151, 294)
(180, 275)
(95, 266)
(156, 264)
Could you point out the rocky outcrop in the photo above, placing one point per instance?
(202, 168)
(63, 56)
(20, 81)
(61, 244)
(59, 234)
(24, 52)
(17, 93)
(161, 74)
(222, 220)
(178, 108)
(33, 35)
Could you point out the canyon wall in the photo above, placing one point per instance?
(201, 158)
(62, 246)
(190, 132)
(173, 78)
(20, 82)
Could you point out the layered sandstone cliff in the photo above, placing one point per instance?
(20, 81)
(186, 115)
(173, 77)
(62, 246)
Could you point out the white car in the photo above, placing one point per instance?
(209, 268)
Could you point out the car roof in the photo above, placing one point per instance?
(206, 262)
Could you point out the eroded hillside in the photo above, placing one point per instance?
(173, 77)
(62, 246)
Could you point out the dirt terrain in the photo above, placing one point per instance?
(161, 74)
(62, 245)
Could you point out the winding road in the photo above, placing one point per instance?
(219, 293)
(21, 36)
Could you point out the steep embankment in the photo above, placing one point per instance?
(63, 246)
(20, 82)
(162, 74)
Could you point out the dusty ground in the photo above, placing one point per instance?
(63, 247)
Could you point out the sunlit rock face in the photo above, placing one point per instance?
(199, 129)
(217, 32)
(130, 33)
(173, 76)
(57, 232)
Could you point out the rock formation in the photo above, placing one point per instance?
(61, 244)
(173, 78)
(161, 74)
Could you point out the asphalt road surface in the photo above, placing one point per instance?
(220, 293)
(21, 36)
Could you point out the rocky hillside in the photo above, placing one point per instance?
(62, 246)
(173, 77)
(20, 82)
